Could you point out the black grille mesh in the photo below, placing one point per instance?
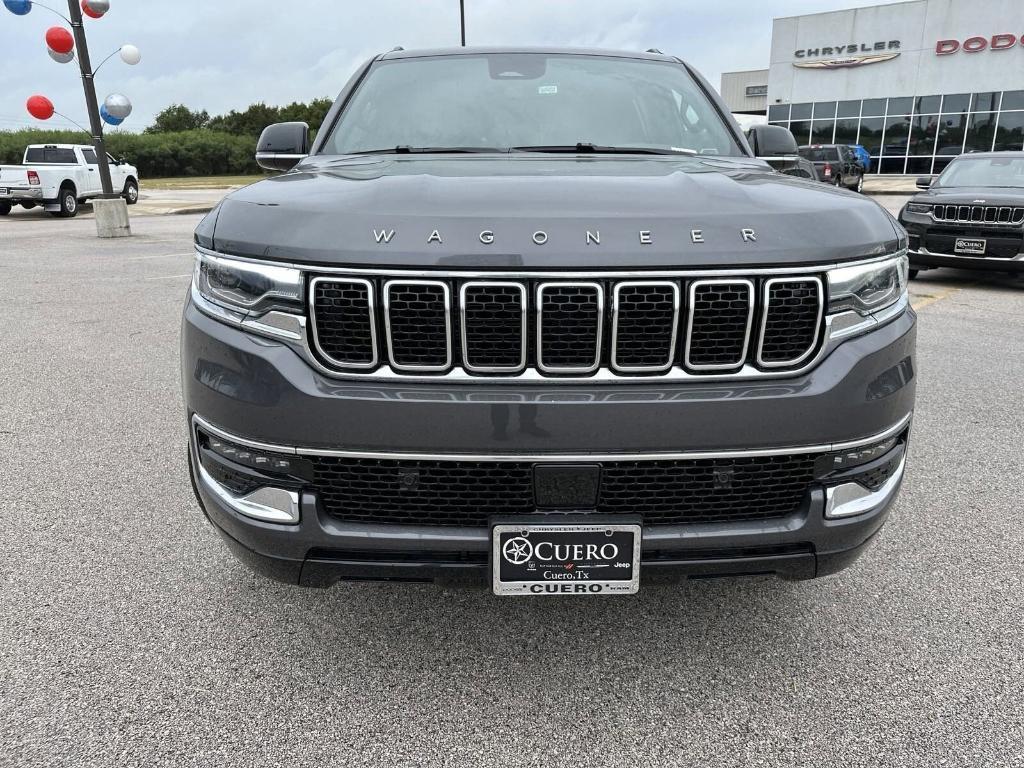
(791, 320)
(718, 334)
(570, 317)
(493, 318)
(344, 324)
(468, 493)
(418, 324)
(646, 321)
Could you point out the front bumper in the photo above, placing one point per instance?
(922, 258)
(921, 226)
(260, 390)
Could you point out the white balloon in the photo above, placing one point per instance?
(118, 106)
(61, 58)
(130, 54)
(98, 6)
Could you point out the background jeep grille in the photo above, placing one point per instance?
(566, 327)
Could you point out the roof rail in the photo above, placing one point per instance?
(397, 48)
(653, 50)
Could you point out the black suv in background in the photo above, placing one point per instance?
(835, 164)
(971, 216)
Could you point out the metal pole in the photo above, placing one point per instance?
(75, 11)
(462, 19)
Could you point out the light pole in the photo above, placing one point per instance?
(462, 20)
(96, 126)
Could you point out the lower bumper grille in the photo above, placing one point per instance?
(1002, 245)
(468, 493)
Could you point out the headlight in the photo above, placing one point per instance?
(868, 288)
(918, 208)
(245, 286)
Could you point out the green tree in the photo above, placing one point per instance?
(178, 117)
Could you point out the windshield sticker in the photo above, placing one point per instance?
(547, 89)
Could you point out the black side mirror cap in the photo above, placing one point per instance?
(282, 146)
(924, 182)
(772, 141)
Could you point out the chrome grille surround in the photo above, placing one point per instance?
(371, 312)
(467, 362)
(389, 287)
(692, 313)
(617, 312)
(766, 311)
(598, 290)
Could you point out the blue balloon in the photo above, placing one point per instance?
(108, 118)
(18, 7)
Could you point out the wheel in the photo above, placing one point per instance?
(838, 181)
(913, 273)
(28, 206)
(5, 208)
(860, 183)
(68, 203)
(131, 192)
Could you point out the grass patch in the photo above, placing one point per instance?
(201, 182)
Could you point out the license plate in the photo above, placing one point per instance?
(566, 559)
(970, 245)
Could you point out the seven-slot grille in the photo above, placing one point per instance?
(978, 214)
(467, 492)
(566, 327)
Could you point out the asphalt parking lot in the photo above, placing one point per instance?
(131, 637)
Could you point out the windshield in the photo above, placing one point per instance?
(984, 172)
(820, 154)
(499, 102)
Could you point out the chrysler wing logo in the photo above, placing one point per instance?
(849, 61)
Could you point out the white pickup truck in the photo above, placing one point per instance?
(60, 177)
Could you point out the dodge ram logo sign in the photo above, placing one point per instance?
(978, 44)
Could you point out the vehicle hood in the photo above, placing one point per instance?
(333, 210)
(972, 195)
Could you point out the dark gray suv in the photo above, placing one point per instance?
(539, 319)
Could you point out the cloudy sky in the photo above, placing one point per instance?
(225, 54)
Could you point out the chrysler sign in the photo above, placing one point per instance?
(851, 55)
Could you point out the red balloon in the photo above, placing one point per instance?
(89, 11)
(60, 40)
(40, 107)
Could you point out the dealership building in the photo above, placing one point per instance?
(915, 83)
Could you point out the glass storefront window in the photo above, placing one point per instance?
(897, 129)
(922, 135)
(800, 112)
(871, 134)
(981, 130)
(892, 165)
(985, 102)
(900, 106)
(821, 131)
(824, 110)
(778, 112)
(919, 166)
(873, 107)
(846, 131)
(849, 109)
(1013, 100)
(951, 134)
(801, 131)
(927, 105)
(957, 102)
(1010, 131)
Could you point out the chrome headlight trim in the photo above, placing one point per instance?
(245, 286)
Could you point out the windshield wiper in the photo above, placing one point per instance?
(405, 149)
(586, 147)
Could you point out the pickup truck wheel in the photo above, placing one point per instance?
(837, 181)
(860, 183)
(68, 203)
(5, 208)
(131, 192)
(28, 206)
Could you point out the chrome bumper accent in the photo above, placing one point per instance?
(271, 505)
(922, 251)
(851, 499)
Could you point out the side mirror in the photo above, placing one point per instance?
(282, 146)
(771, 141)
(924, 182)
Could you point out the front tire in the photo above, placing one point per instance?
(68, 201)
(860, 184)
(131, 192)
